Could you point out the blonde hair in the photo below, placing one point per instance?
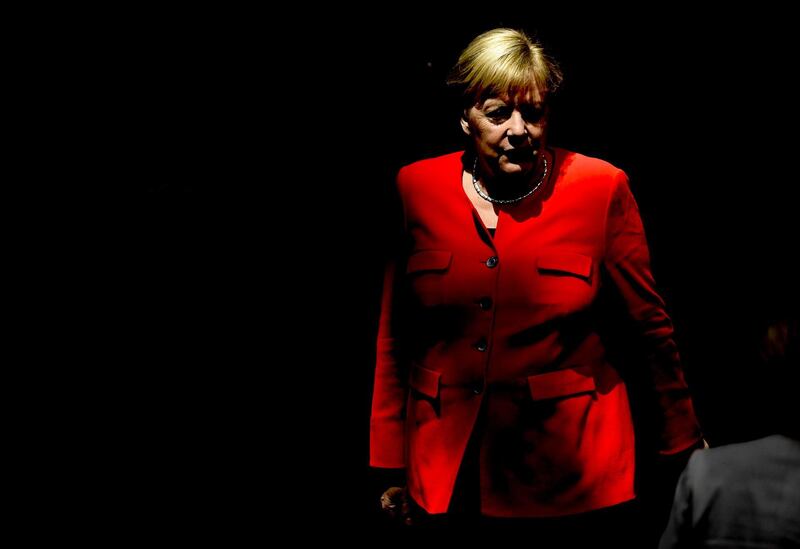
(503, 61)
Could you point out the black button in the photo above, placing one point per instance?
(477, 388)
(485, 303)
(481, 344)
(491, 262)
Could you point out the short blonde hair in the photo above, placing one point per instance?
(503, 61)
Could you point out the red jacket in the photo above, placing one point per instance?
(515, 323)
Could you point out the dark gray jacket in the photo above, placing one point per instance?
(741, 495)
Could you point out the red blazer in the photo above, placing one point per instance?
(512, 326)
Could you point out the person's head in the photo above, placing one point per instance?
(779, 372)
(505, 78)
(779, 345)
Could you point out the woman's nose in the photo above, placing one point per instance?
(516, 125)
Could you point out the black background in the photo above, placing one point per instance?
(265, 162)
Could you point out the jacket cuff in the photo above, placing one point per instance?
(692, 441)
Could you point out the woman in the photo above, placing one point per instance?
(494, 389)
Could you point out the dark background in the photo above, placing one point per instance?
(264, 224)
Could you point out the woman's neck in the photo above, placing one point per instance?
(513, 186)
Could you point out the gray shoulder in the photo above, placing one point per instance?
(732, 459)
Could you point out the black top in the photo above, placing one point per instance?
(491, 231)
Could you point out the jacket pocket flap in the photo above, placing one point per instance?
(429, 260)
(575, 264)
(425, 381)
(561, 383)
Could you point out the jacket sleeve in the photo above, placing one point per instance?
(390, 389)
(627, 262)
(387, 423)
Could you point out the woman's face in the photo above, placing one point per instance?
(508, 133)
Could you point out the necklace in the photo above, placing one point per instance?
(505, 200)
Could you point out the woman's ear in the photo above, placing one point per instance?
(465, 124)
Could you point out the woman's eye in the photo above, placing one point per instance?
(498, 115)
(532, 114)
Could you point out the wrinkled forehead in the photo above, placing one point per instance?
(528, 95)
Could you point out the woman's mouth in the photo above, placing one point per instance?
(520, 155)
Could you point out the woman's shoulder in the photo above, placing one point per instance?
(583, 164)
(431, 168)
(591, 177)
